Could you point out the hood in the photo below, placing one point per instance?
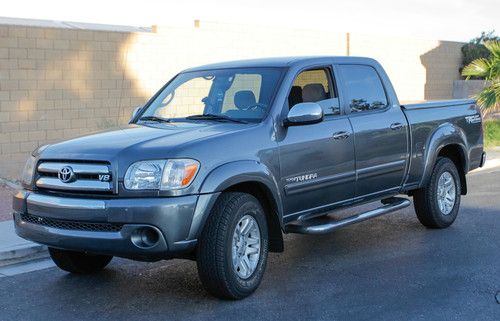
(153, 140)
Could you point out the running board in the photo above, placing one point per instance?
(318, 226)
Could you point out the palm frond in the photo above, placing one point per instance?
(488, 97)
(477, 68)
(494, 48)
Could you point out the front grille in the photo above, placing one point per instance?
(74, 177)
(71, 225)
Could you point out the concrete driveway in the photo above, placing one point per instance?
(390, 268)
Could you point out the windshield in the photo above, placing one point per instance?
(243, 94)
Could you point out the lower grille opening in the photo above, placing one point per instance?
(71, 225)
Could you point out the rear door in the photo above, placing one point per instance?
(380, 131)
(317, 167)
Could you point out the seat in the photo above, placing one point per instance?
(295, 96)
(313, 93)
(244, 99)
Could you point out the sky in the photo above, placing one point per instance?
(457, 20)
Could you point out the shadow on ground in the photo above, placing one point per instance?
(390, 268)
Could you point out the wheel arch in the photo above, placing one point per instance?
(253, 178)
(266, 199)
(456, 154)
(448, 141)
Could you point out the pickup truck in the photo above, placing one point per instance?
(227, 157)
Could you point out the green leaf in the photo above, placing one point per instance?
(489, 69)
(478, 68)
(494, 48)
(487, 98)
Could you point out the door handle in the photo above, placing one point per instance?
(341, 135)
(395, 126)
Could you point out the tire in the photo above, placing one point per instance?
(79, 262)
(215, 251)
(427, 200)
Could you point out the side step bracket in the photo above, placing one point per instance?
(315, 226)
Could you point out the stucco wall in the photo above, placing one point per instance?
(60, 83)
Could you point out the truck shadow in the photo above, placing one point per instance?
(393, 256)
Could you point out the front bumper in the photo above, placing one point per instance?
(109, 226)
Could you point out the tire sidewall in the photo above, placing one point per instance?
(444, 165)
(249, 206)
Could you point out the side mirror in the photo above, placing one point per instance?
(134, 113)
(304, 114)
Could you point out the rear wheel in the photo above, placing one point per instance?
(437, 204)
(233, 247)
(79, 262)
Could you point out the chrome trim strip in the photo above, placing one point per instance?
(65, 203)
(79, 185)
(53, 167)
(381, 169)
(306, 186)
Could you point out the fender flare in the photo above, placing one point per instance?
(230, 174)
(444, 135)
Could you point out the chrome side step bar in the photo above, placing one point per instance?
(317, 226)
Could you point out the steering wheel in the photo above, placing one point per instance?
(255, 106)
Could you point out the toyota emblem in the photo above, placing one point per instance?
(66, 174)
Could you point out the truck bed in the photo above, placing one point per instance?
(446, 118)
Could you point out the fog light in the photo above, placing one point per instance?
(145, 237)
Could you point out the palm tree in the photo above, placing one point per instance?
(489, 70)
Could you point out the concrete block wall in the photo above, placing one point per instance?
(57, 84)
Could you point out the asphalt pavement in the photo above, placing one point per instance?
(388, 268)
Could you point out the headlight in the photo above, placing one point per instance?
(161, 174)
(28, 172)
(29, 168)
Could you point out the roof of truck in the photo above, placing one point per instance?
(280, 62)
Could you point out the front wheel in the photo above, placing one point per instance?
(437, 203)
(233, 247)
(79, 262)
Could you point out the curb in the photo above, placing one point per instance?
(490, 162)
(494, 163)
(13, 185)
(14, 249)
(22, 253)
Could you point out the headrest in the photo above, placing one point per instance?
(295, 96)
(244, 99)
(313, 93)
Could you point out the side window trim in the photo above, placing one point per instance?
(344, 102)
(335, 87)
(332, 88)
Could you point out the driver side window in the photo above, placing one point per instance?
(315, 85)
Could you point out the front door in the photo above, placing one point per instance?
(380, 131)
(317, 161)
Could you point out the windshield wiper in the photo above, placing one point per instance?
(155, 118)
(216, 117)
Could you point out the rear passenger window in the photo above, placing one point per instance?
(315, 85)
(364, 88)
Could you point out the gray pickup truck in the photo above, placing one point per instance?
(225, 158)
